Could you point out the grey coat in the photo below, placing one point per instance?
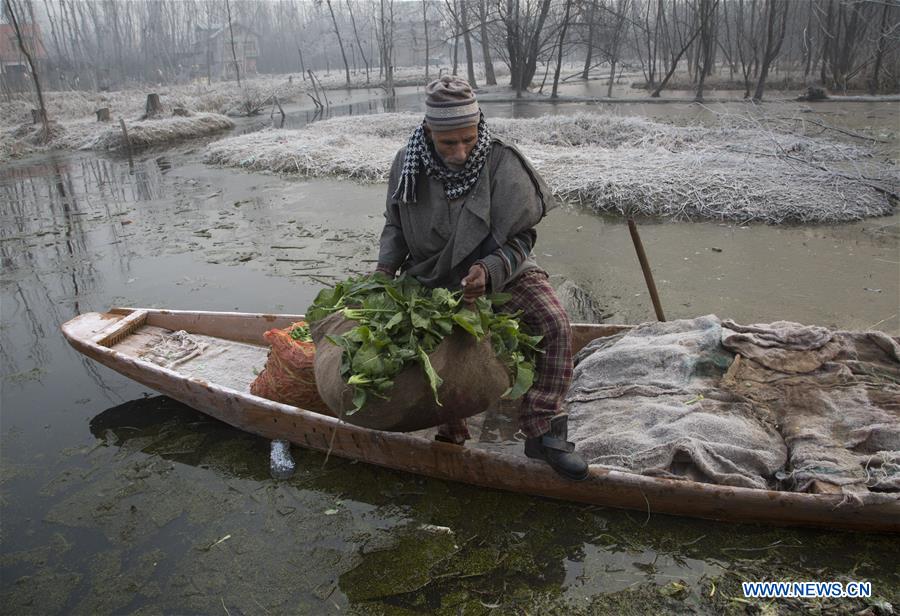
(438, 241)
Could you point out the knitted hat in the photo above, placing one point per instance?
(450, 104)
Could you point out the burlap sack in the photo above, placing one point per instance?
(474, 379)
(289, 376)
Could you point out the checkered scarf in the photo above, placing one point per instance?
(456, 183)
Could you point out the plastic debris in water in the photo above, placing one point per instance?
(281, 464)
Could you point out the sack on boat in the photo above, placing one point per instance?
(473, 380)
(773, 406)
(289, 374)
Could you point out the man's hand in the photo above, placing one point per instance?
(474, 284)
(382, 271)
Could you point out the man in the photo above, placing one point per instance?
(461, 210)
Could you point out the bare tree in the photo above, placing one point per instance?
(707, 11)
(774, 38)
(427, 47)
(562, 41)
(23, 47)
(614, 49)
(489, 76)
(237, 69)
(523, 26)
(337, 33)
(880, 46)
(467, 41)
(674, 62)
(589, 40)
(386, 43)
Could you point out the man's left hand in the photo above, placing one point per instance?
(474, 284)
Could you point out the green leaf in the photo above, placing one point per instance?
(367, 360)
(498, 299)
(419, 320)
(434, 380)
(359, 400)
(524, 381)
(470, 322)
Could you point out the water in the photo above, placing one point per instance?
(115, 499)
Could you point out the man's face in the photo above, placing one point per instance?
(454, 146)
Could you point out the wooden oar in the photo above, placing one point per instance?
(645, 267)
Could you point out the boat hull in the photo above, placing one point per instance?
(92, 334)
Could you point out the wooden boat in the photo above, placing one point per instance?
(116, 339)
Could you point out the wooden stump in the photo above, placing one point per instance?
(35, 116)
(103, 114)
(814, 93)
(180, 111)
(154, 106)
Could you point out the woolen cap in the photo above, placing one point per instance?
(450, 104)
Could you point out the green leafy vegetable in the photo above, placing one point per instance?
(401, 322)
(301, 333)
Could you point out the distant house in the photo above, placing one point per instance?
(13, 65)
(212, 52)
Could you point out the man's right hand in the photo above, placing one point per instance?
(384, 271)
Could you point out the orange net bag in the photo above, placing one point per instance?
(288, 376)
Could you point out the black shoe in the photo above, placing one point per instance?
(553, 448)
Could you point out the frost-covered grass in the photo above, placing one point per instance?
(143, 133)
(219, 97)
(740, 170)
(89, 135)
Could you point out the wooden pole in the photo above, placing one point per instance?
(645, 267)
(127, 140)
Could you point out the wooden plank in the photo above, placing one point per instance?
(121, 329)
(249, 327)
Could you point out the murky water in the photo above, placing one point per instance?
(115, 499)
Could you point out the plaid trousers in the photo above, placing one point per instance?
(542, 314)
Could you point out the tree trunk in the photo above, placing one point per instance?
(807, 42)
(707, 8)
(11, 15)
(387, 43)
(489, 76)
(621, 12)
(425, 24)
(467, 41)
(674, 65)
(590, 40)
(533, 48)
(879, 51)
(826, 33)
(237, 69)
(562, 41)
(337, 33)
(774, 39)
(359, 43)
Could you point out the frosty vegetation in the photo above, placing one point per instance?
(90, 135)
(740, 170)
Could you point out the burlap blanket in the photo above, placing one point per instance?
(777, 406)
